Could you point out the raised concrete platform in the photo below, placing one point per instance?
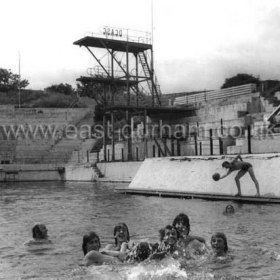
(206, 196)
(191, 177)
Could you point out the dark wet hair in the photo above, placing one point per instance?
(123, 225)
(229, 209)
(225, 163)
(37, 233)
(183, 218)
(143, 251)
(162, 232)
(223, 236)
(87, 238)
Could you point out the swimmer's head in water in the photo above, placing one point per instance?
(40, 231)
(226, 164)
(91, 242)
(121, 233)
(143, 251)
(182, 224)
(219, 243)
(229, 209)
(169, 235)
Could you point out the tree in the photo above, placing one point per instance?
(92, 90)
(10, 81)
(240, 79)
(61, 88)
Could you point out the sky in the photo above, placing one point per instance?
(197, 43)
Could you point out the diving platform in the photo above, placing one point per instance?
(105, 81)
(167, 112)
(113, 44)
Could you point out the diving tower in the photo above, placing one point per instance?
(123, 81)
(127, 68)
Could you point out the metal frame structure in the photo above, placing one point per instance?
(131, 72)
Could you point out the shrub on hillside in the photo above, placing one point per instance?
(55, 100)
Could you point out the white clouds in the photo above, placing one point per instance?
(197, 43)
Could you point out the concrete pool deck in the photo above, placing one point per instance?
(191, 177)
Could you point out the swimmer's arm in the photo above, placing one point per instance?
(200, 239)
(158, 256)
(109, 247)
(94, 257)
(118, 254)
(225, 175)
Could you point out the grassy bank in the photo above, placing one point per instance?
(37, 98)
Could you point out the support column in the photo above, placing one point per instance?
(211, 141)
(137, 87)
(112, 77)
(113, 138)
(195, 144)
(152, 76)
(127, 76)
(129, 138)
(249, 139)
(145, 135)
(104, 138)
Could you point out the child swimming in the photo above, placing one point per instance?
(40, 235)
(122, 244)
(91, 246)
(182, 225)
(219, 244)
(168, 243)
(190, 246)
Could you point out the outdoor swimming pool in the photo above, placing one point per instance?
(72, 209)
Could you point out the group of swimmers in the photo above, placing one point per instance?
(174, 241)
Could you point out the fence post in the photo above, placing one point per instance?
(211, 141)
(195, 144)
(122, 155)
(178, 148)
(154, 151)
(200, 148)
(172, 146)
(221, 146)
(137, 158)
(249, 139)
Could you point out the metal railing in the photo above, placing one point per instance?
(203, 97)
(123, 34)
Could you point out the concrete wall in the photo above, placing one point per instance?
(194, 174)
(26, 172)
(27, 147)
(80, 173)
(119, 171)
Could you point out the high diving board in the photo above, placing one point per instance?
(205, 196)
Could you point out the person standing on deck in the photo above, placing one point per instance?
(243, 167)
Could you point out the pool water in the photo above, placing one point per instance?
(72, 209)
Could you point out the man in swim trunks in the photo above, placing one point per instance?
(243, 167)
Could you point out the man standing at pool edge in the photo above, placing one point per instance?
(243, 168)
